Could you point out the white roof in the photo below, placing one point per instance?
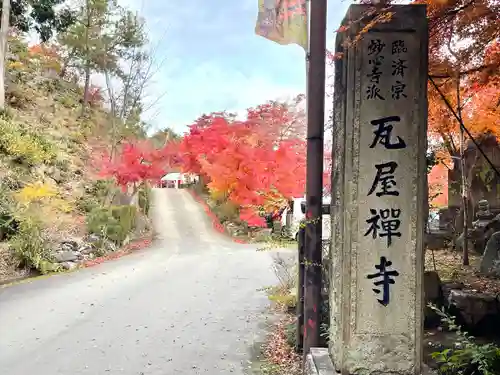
(172, 176)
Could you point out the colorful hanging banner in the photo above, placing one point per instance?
(283, 21)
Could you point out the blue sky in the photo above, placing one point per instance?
(214, 61)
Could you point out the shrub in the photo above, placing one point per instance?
(126, 216)
(26, 147)
(86, 203)
(113, 223)
(29, 246)
(67, 101)
(8, 224)
(99, 189)
(35, 193)
(468, 358)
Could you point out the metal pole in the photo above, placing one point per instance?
(314, 174)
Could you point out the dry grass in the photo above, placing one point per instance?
(449, 266)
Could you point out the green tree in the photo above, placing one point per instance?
(160, 138)
(41, 16)
(102, 39)
(26, 15)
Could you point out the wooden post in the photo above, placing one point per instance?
(314, 174)
(300, 292)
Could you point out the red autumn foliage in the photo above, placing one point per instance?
(133, 164)
(256, 164)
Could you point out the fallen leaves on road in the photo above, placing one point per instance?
(133, 246)
(278, 351)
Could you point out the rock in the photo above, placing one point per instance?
(433, 294)
(92, 238)
(86, 249)
(478, 312)
(68, 246)
(66, 256)
(432, 287)
(108, 246)
(491, 254)
(69, 265)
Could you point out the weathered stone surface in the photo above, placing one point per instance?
(472, 306)
(491, 254)
(66, 256)
(370, 333)
(69, 265)
(86, 249)
(433, 294)
(71, 244)
(478, 313)
(318, 362)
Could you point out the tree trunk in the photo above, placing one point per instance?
(4, 34)
(86, 88)
(87, 60)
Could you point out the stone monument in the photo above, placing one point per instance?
(379, 190)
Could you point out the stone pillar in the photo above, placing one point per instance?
(379, 185)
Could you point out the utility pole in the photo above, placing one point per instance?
(314, 174)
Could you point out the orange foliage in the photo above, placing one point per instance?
(257, 164)
(438, 186)
(464, 53)
(47, 54)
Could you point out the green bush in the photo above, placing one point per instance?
(468, 357)
(8, 224)
(114, 222)
(87, 203)
(30, 248)
(24, 146)
(67, 101)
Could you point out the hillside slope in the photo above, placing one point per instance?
(49, 192)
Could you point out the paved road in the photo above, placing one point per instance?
(188, 305)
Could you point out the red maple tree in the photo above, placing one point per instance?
(255, 169)
(134, 163)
